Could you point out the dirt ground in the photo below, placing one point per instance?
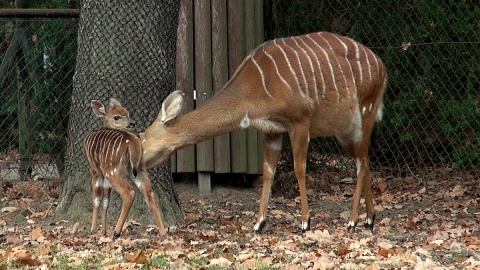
(424, 221)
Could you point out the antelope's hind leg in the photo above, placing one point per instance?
(96, 198)
(145, 186)
(359, 150)
(107, 190)
(127, 193)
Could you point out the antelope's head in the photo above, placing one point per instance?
(115, 116)
(160, 140)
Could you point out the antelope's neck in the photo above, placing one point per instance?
(221, 114)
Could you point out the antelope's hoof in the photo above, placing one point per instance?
(306, 225)
(352, 225)
(116, 235)
(369, 223)
(259, 226)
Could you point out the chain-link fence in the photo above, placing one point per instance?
(431, 51)
(431, 118)
(37, 67)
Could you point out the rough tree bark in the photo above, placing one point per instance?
(126, 49)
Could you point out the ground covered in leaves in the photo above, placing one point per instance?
(430, 221)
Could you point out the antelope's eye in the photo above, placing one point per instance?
(116, 117)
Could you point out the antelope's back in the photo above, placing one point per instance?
(322, 66)
(107, 148)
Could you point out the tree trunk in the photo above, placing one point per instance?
(126, 50)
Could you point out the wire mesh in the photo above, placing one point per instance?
(430, 49)
(38, 60)
(431, 116)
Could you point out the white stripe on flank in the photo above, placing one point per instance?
(288, 63)
(276, 69)
(329, 65)
(116, 144)
(301, 68)
(368, 65)
(319, 69)
(261, 73)
(349, 66)
(311, 68)
(357, 57)
(93, 146)
(339, 66)
(109, 144)
(376, 60)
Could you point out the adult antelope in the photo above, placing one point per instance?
(114, 155)
(319, 84)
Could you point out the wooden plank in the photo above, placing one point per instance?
(185, 158)
(236, 53)
(259, 39)
(250, 44)
(220, 77)
(203, 75)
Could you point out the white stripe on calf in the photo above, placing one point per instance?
(369, 69)
(357, 57)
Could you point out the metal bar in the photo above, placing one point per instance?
(40, 13)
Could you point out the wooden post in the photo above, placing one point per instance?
(250, 44)
(25, 136)
(203, 84)
(259, 39)
(185, 158)
(236, 53)
(220, 77)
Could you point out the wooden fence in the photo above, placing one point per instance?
(213, 38)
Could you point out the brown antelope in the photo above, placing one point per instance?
(114, 155)
(319, 84)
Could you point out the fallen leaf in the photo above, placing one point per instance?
(342, 251)
(220, 262)
(136, 257)
(36, 233)
(385, 252)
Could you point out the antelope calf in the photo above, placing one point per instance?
(319, 84)
(114, 155)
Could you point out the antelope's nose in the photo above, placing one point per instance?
(132, 124)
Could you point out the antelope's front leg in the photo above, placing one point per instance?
(272, 147)
(299, 138)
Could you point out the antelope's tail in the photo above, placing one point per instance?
(136, 156)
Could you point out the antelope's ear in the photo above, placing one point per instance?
(114, 102)
(172, 106)
(98, 108)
